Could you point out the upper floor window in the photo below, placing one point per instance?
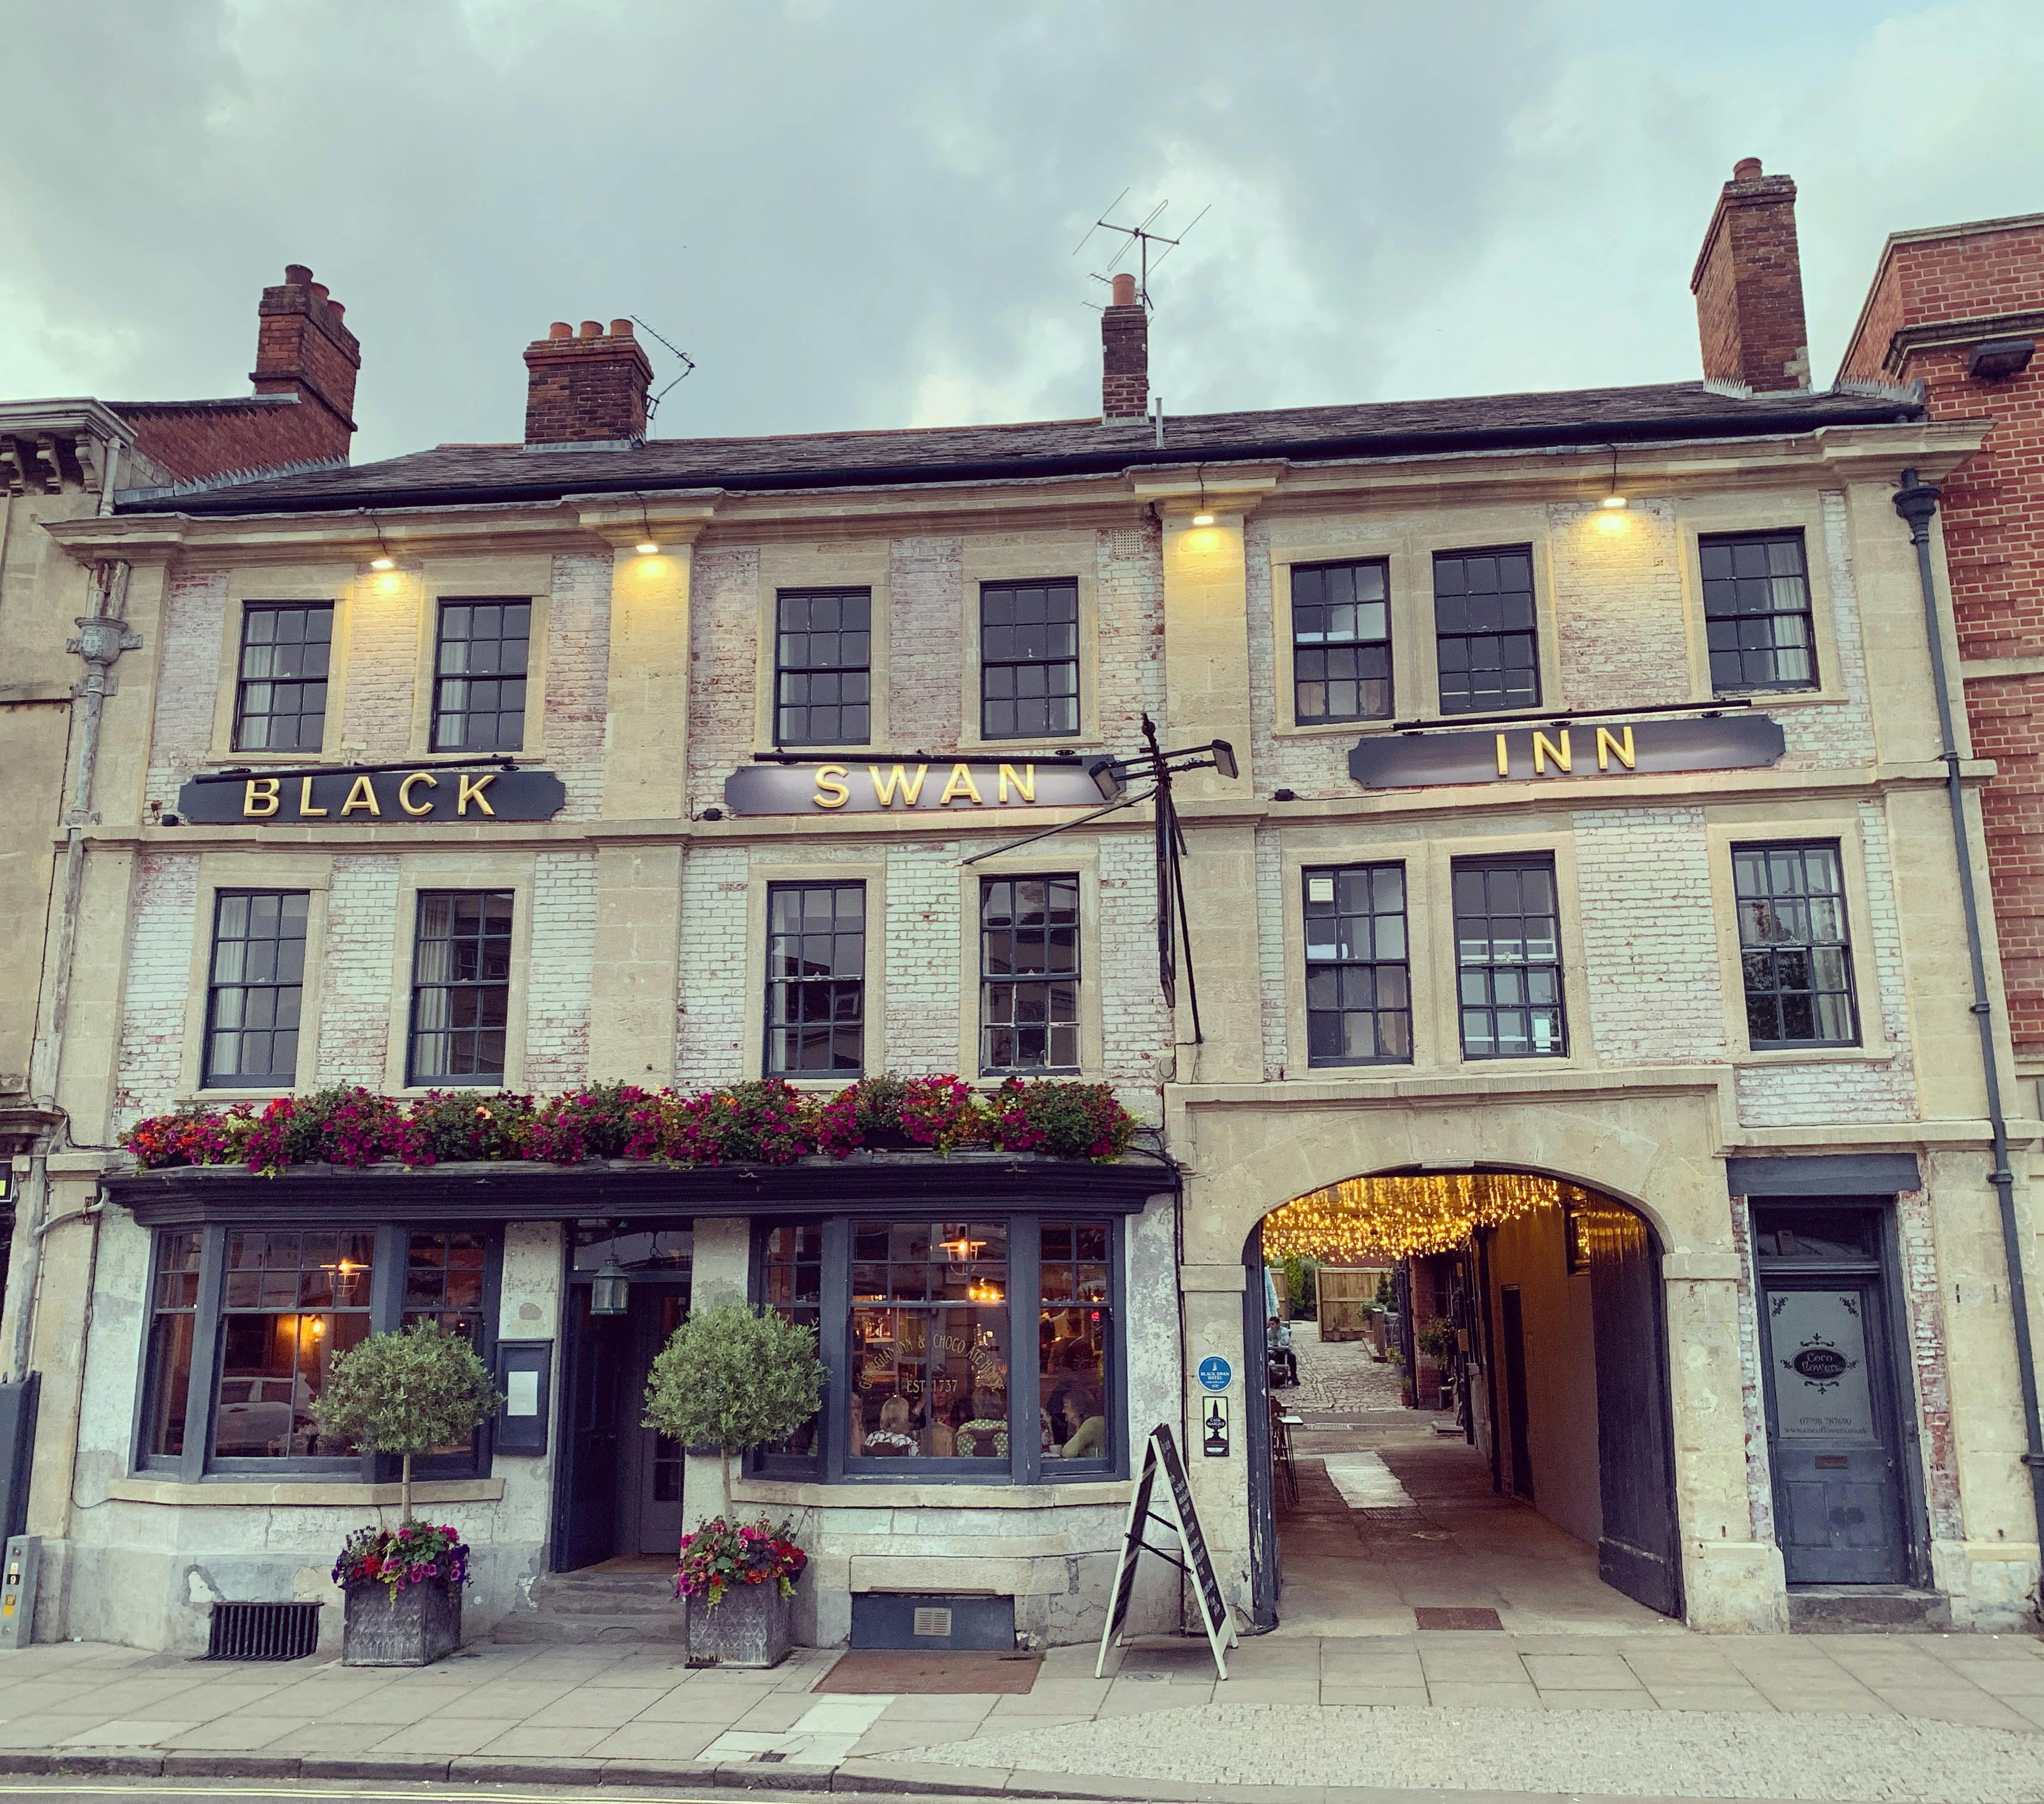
(1359, 977)
(254, 986)
(479, 676)
(1486, 638)
(280, 697)
(816, 979)
(1794, 948)
(1028, 659)
(461, 986)
(1029, 974)
(823, 667)
(1341, 641)
(1757, 612)
(1508, 958)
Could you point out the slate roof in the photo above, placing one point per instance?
(454, 474)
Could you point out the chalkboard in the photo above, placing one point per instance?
(1162, 1451)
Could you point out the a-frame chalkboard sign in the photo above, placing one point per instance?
(1162, 1452)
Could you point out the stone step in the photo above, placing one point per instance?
(1848, 1609)
(526, 1626)
(566, 1594)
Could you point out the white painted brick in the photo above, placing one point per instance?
(159, 947)
(356, 970)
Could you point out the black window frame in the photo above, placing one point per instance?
(1725, 587)
(415, 1076)
(1340, 967)
(778, 984)
(988, 664)
(1012, 981)
(828, 1461)
(1318, 654)
(299, 679)
(1467, 634)
(1490, 969)
(451, 605)
(1809, 944)
(838, 667)
(273, 1078)
(198, 1463)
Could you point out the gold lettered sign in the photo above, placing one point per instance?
(919, 785)
(361, 798)
(1565, 751)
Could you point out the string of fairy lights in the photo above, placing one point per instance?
(1400, 1218)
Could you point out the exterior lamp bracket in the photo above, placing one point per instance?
(609, 1289)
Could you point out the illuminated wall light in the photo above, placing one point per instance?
(382, 563)
(646, 548)
(1203, 520)
(1615, 502)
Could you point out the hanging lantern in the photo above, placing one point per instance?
(610, 1288)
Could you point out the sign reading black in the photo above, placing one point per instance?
(899, 786)
(358, 797)
(1582, 748)
(1161, 1452)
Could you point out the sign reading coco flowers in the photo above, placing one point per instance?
(346, 798)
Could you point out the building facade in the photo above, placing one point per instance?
(1589, 825)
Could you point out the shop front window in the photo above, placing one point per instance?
(293, 1303)
(791, 1267)
(1074, 1337)
(929, 1342)
(171, 1343)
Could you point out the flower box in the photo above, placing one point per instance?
(739, 1580)
(752, 1626)
(412, 1627)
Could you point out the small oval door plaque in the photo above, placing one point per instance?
(1821, 1365)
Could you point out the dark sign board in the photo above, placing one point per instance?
(440, 792)
(925, 785)
(1561, 751)
(1161, 1454)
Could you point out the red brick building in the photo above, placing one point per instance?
(1959, 307)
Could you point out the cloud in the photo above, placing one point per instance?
(862, 215)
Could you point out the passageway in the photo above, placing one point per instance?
(1394, 1516)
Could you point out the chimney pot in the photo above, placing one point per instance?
(1124, 291)
(620, 329)
(337, 309)
(1748, 283)
(297, 274)
(319, 289)
(560, 328)
(592, 328)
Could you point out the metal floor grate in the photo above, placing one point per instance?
(263, 1631)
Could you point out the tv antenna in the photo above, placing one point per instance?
(1140, 237)
(688, 369)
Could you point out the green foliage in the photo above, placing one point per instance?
(407, 1393)
(734, 1378)
(1301, 1287)
(1436, 1339)
(1387, 1291)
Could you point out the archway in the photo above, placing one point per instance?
(1530, 1463)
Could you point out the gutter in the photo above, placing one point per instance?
(1916, 501)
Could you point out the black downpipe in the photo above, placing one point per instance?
(1916, 501)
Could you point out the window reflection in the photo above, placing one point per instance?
(1074, 1327)
(930, 1357)
(293, 1303)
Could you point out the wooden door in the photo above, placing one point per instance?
(1831, 1439)
(653, 1494)
(1516, 1413)
(586, 1515)
(1638, 1552)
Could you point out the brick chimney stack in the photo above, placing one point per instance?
(1124, 356)
(303, 348)
(1748, 282)
(586, 387)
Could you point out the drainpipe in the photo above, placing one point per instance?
(1916, 501)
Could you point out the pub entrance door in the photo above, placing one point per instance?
(619, 1488)
(1834, 1415)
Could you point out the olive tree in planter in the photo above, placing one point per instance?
(405, 1394)
(735, 1378)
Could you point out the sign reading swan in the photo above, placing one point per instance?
(924, 785)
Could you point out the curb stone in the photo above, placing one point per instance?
(393, 1766)
(179, 1765)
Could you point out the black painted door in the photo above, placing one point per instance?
(653, 1496)
(598, 1355)
(1516, 1413)
(1830, 1422)
(1638, 1552)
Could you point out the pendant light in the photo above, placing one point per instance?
(610, 1287)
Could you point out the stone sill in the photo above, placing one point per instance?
(230, 1494)
(936, 1494)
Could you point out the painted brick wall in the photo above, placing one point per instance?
(1618, 600)
(559, 972)
(1759, 1475)
(1650, 944)
(1915, 1213)
(724, 630)
(194, 616)
(384, 623)
(926, 605)
(922, 946)
(577, 673)
(709, 1015)
(356, 971)
(1270, 947)
(159, 944)
(1838, 733)
(1138, 1027)
(1130, 568)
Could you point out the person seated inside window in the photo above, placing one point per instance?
(1084, 1427)
(944, 1427)
(986, 1436)
(894, 1438)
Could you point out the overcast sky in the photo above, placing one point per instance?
(864, 215)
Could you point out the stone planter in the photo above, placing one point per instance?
(415, 1627)
(751, 1625)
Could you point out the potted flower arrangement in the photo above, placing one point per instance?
(734, 1378)
(404, 1393)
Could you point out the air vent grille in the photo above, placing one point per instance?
(263, 1631)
